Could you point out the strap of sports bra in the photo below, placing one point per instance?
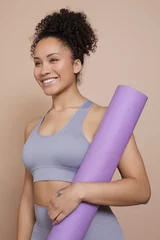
(79, 115)
(40, 121)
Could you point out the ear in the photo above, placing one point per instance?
(77, 66)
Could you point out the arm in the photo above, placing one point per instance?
(132, 189)
(26, 218)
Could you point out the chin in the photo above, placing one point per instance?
(56, 91)
(53, 92)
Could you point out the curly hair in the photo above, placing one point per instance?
(72, 28)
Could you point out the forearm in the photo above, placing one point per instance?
(124, 192)
(25, 221)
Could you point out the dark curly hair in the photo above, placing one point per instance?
(72, 28)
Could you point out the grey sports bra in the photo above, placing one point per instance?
(57, 156)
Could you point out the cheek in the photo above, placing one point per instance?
(63, 67)
(59, 67)
(66, 71)
(35, 73)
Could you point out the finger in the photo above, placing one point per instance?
(51, 204)
(51, 207)
(59, 218)
(53, 214)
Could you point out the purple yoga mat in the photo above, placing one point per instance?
(102, 157)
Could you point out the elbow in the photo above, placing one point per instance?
(143, 192)
(147, 197)
(146, 194)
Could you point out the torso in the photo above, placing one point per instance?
(53, 122)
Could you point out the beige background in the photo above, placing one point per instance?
(128, 53)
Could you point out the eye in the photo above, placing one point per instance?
(37, 64)
(52, 60)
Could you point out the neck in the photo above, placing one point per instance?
(71, 97)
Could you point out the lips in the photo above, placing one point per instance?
(48, 79)
(49, 82)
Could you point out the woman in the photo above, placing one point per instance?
(56, 143)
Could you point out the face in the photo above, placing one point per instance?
(54, 68)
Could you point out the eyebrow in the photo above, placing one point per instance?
(47, 55)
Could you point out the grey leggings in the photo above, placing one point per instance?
(104, 226)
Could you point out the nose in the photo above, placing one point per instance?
(45, 69)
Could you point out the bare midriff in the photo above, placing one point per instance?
(45, 190)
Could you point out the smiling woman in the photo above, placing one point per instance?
(47, 81)
(56, 143)
(54, 63)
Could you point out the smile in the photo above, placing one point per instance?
(51, 81)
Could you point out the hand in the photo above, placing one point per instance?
(66, 201)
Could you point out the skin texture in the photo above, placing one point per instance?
(61, 198)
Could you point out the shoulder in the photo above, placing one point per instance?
(29, 127)
(95, 117)
(98, 112)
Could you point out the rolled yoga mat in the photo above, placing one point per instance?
(102, 157)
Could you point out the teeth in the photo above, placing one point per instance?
(49, 80)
